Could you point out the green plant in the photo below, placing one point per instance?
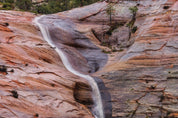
(7, 6)
(131, 23)
(42, 9)
(134, 29)
(110, 11)
(133, 9)
(24, 4)
(9, 1)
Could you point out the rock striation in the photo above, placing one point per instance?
(138, 70)
(142, 79)
(33, 80)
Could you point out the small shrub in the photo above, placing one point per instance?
(110, 11)
(43, 9)
(130, 24)
(24, 4)
(134, 29)
(133, 9)
(7, 6)
(9, 1)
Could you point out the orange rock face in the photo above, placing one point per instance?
(140, 74)
(33, 80)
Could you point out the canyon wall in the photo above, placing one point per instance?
(140, 70)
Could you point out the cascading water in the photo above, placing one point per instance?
(98, 106)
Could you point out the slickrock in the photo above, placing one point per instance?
(33, 80)
(142, 79)
(137, 65)
(141, 72)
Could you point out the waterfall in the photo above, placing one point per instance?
(98, 106)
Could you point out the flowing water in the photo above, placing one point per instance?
(98, 106)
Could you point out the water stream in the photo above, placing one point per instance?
(98, 106)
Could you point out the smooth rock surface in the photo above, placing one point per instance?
(142, 79)
(138, 81)
(36, 82)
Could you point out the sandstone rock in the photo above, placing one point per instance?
(140, 81)
(40, 83)
(2, 28)
(147, 70)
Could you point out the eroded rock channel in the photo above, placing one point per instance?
(140, 74)
(79, 56)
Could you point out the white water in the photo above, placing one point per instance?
(98, 107)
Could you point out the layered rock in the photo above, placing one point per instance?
(34, 82)
(140, 73)
(142, 79)
(142, 76)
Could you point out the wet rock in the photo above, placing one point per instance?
(142, 80)
(39, 83)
